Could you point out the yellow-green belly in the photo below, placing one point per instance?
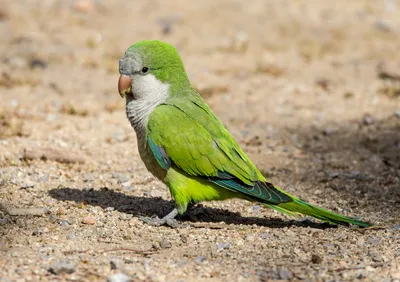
(186, 188)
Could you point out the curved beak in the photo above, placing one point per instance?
(124, 85)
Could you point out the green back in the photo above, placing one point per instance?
(197, 142)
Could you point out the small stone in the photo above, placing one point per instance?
(256, 209)
(88, 220)
(370, 268)
(117, 137)
(332, 175)
(285, 274)
(70, 236)
(264, 236)
(128, 188)
(383, 26)
(199, 259)
(62, 267)
(88, 177)
(165, 244)
(116, 263)
(64, 222)
(250, 237)
(328, 131)
(126, 184)
(43, 178)
(123, 179)
(184, 238)
(85, 6)
(62, 211)
(397, 113)
(368, 119)
(223, 245)
(40, 231)
(27, 185)
(37, 63)
(119, 277)
(316, 259)
(4, 221)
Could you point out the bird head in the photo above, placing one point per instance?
(147, 66)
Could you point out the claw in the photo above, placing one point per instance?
(169, 220)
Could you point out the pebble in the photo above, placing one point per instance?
(165, 244)
(397, 113)
(116, 263)
(70, 236)
(64, 222)
(184, 238)
(370, 268)
(127, 184)
(62, 267)
(256, 209)
(27, 185)
(128, 188)
(316, 259)
(328, 131)
(383, 25)
(43, 178)
(123, 179)
(223, 245)
(88, 220)
(40, 231)
(61, 211)
(285, 274)
(4, 221)
(119, 277)
(199, 259)
(88, 177)
(396, 227)
(115, 175)
(85, 6)
(368, 119)
(37, 63)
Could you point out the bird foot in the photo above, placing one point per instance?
(156, 221)
(169, 220)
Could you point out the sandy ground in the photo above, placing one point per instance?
(310, 89)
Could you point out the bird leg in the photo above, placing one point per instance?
(169, 219)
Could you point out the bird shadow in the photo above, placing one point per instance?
(148, 206)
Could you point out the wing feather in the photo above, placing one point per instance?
(186, 133)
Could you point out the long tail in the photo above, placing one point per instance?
(297, 206)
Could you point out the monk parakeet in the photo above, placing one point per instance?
(183, 143)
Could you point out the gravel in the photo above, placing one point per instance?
(317, 119)
(119, 277)
(60, 267)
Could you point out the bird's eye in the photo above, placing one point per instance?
(145, 70)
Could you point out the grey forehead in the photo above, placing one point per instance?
(130, 63)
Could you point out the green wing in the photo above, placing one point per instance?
(185, 132)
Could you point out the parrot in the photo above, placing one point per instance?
(184, 144)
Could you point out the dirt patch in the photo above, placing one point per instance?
(309, 90)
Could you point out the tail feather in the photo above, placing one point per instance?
(298, 206)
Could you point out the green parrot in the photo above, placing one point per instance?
(183, 143)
